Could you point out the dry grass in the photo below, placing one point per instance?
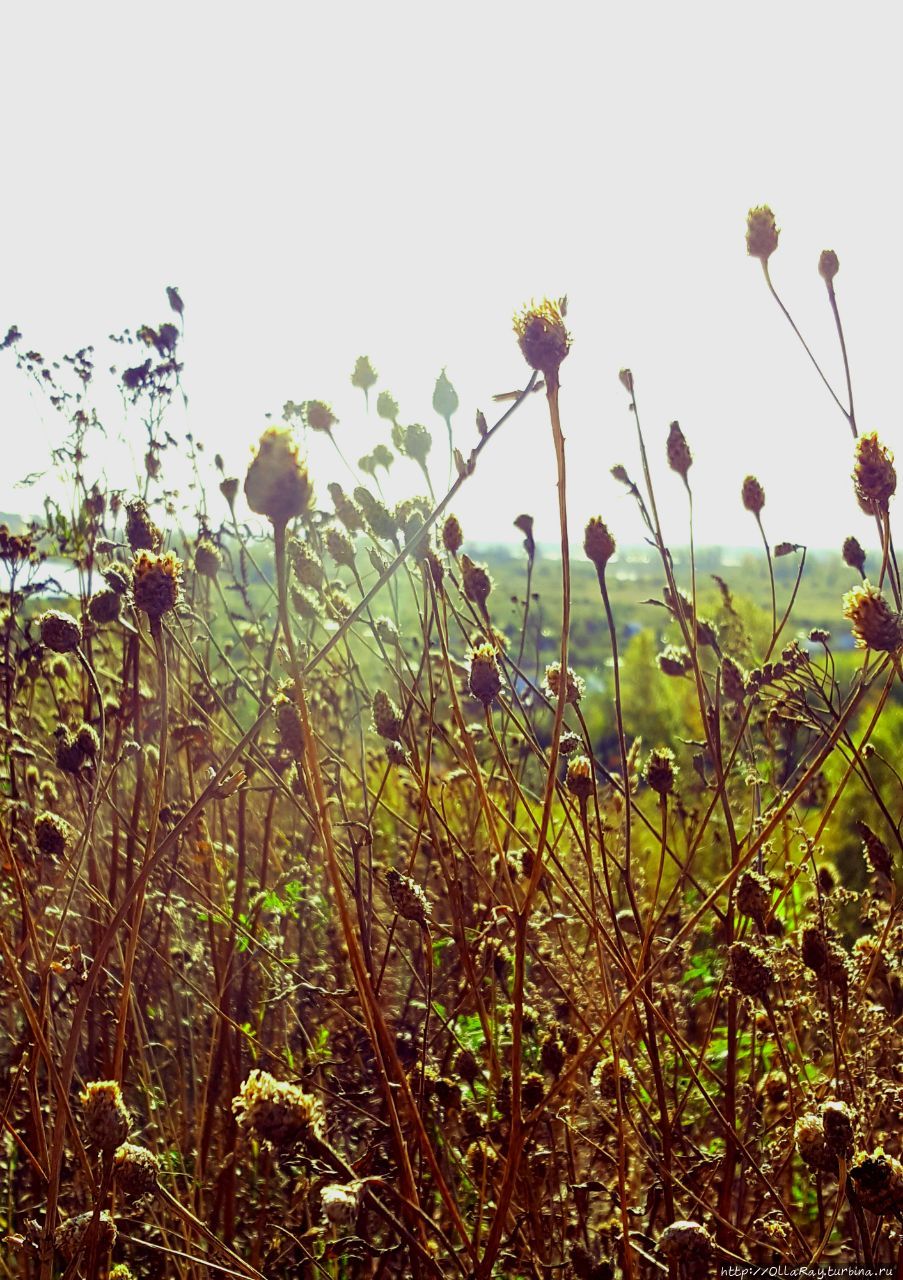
(331, 949)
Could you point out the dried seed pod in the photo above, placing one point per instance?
(70, 1237)
(452, 537)
(809, 1138)
(51, 834)
(282, 1115)
(543, 339)
(288, 720)
(674, 660)
(853, 554)
(611, 1078)
(482, 1162)
(660, 771)
(106, 1117)
(874, 623)
(733, 680)
(340, 1202)
(207, 558)
(408, 898)
(753, 495)
(877, 1179)
(750, 970)
(60, 632)
(485, 678)
(579, 778)
(140, 531)
(828, 265)
(104, 607)
(874, 476)
(837, 1122)
(680, 459)
(687, 1244)
(761, 233)
(754, 896)
(876, 852)
(576, 687)
(598, 543)
(387, 719)
(825, 958)
(156, 583)
(476, 582)
(136, 1171)
(277, 484)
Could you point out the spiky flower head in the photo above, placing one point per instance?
(452, 537)
(408, 898)
(853, 554)
(753, 495)
(598, 543)
(687, 1243)
(733, 679)
(71, 1236)
(156, 582)
(60, 632)
(761, 233)
(281, 1115)
(680, 459)
(660, 770)
(136, 1171)
(277, 484)
(288, 721)
(543, 338)
(575, 685)
(345, 508)
(207, 558)
(611, 1078)
(579, 778)
(387, 406)
(386, 717)
(874, 475)
(318, 415)
(107, 1120)
(828, 265)
(876, 852)
(754, 896)
(340, 547)
(485, 677)
(875, 624)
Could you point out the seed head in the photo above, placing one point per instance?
(386, 717)
(340, 1202)
(485, 677)
(136, 1171)
(660, 770)
(611, 1078)
(104, 606)
(674, 660)
(761, 233)
(750, 971)
(576, 686)
(876, 852)
(543, 338)
(476, 581)
(318, 416)
(229, 489)
(680, 459)
(281, 1115)
(345, 509)
(754, 896)
(288, 720)
(207, 558)
(340, 547)
(598, 543)
(277, 484)
(828, 265)
(878, 1181)
(51, 834)
(87, 741)
(809, 1137)
(837, 1122)
(733, 680)
(686, 1243)
(107, 1120)
(875, 624)
(70, 1237)
(156, 583)
(853, 554)
(579, 778)
(874, 476)
(140, 531)
(452, 537)
(408, 898)
(482, 1162)
(59, 631)
(364, 375)
(753, 495)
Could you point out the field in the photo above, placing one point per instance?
(376, 904)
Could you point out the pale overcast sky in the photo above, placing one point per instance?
(326, 180)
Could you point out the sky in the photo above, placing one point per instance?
(323, 181)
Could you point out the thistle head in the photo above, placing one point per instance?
(543, 337)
